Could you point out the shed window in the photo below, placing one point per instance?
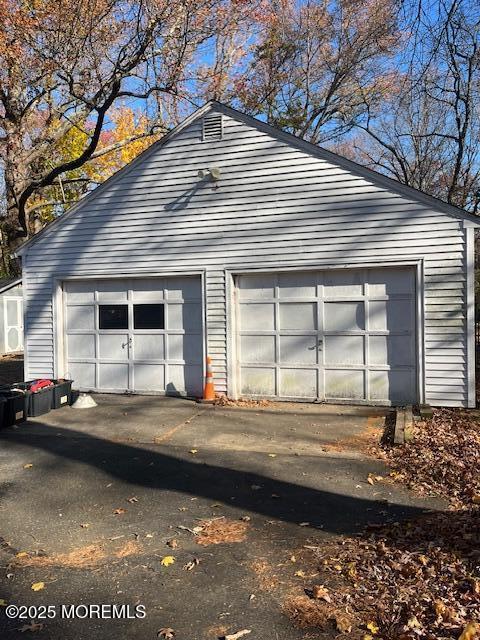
(113, 316)
(148, 316)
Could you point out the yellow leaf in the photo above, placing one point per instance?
(167, 561)
(3, 603)
(21, 554)
(28, 466)
(367, 636)
(272, 455)
(338, 567)
(300, 574)
(38, 586)
(471, 631)
(193, 451)
(370, 479)
(371, 626)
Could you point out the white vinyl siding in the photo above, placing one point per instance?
(275, 205)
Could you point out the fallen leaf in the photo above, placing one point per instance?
(166, 632)
(21, 554)
(300, 574)
(245, 518)
(476, 499)
(471, 631)
(371, 626)
(85, 525)
(239, 634)
(28, 466)
(192, 564)
(173, 544)
(272, 455)
(3, 603)
(38, 586)
(303, 524)
(118, 512)
(132, 499)
(166, 561)
(193, 451)
(344, 623)
(33, 627)
(370, 478)
(320, 592)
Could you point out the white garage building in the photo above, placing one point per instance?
(303, 275)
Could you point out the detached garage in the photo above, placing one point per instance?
(301, 274)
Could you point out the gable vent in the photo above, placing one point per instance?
(212, 127)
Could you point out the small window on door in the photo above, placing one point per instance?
(113, 316)
(149, 316)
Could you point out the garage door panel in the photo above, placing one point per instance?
(80, 318)
(297, 285)
(298, 383)
(391, 315)
(80, 292)
(184, 288)
(148, 347)
(344, 316)
(396, 385)
(261, 287)
(258, 381)
(343, 284)
(344, 350)
(257, 349)
(383, 282)
(391, 350)
(344, 384)
(113, 346)
(184, 317)
(113, 375)
(184, 380)
(148, 377)
(254, 315)
(83, 373)
(112, 291)
(298, 316)
(82, 345)
(185, 347)
(298, 349)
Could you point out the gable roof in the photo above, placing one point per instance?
(8, 283)
(294, 141)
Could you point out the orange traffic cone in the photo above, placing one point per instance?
(209, 388)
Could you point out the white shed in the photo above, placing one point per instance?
(11, 315)
(303, 275)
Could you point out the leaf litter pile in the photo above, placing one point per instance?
(443, 459)
(410, 580)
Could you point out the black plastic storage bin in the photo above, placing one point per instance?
(40, 402)
(62, 393)
(15, 409)
(3, 404)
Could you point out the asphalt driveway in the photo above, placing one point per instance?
(89, 500)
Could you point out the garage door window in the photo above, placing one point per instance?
(148, 316)
(113, 316)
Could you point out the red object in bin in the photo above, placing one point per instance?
(40, 384)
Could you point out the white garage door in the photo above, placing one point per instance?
(344, 335)
(134, 335)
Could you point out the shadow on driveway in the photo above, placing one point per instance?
(215, 477)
